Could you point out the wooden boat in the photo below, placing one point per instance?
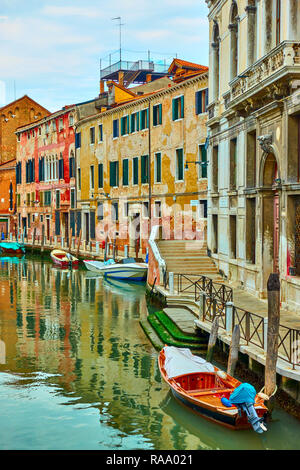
(128, 269)
(12, 248)
(64, 259)
(202, 391)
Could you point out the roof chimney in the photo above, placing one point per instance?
(148, 77)
(101, 86)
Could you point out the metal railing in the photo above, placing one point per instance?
(252, 326)
(197, 285)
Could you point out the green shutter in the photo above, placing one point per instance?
(144, 169)
(135, 170)
(158, 167)
(182, 106)
(125, 173)
(179, 164)
(100, 175)
(174, 109)
(160, 113)
(147, 114)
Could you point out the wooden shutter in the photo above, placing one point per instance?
(100, 175)
(135, 170)
(174, 106)
(182, 106)
(57, 223)
(125, 173)
(144, 169)
(160, 113)
(158, 168)
(72, 223)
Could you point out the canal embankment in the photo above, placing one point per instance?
(229, 305)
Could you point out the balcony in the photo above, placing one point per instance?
(270, 76)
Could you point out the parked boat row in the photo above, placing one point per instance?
(12, 248)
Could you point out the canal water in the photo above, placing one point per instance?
(77, 372)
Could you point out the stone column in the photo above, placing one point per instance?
(251, 34)
(215, 71)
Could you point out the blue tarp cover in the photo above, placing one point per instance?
(244, 393)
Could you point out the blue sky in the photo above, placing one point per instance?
(50, 50)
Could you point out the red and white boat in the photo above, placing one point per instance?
(200, 386)
(64, 259)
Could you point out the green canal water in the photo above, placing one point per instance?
(78, 372)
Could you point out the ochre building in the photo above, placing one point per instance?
(136, 160)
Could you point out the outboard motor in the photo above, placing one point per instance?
(243, 398)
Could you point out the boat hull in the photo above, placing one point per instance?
(130, 271)
(63, 263)
(12, 249)
(206, 402)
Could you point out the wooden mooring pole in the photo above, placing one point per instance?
(234, 350)
(78, 245)
(273, 288)
(212, 339)
(43, 238)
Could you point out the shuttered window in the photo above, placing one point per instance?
(144, 169)
(61, 168)
(179, 165)
(57, 223)
(72, 198)
(157, 114)
(78, 140)
(201, 101)
(144, 119)
(115, 128)
(136, 170)
(134, 122)
(125, 125)
(100, 175)
(72, 223)
(125, 172)
(178, 108)
(157, 167)
(114, 174)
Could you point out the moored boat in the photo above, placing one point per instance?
(12, 248)
(64, 259)
(128, 269)
(207, 390)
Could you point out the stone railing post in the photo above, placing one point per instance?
(229, 317)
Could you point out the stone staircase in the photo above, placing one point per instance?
(188, 257)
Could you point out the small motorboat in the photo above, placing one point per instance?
(64, 259)
(211, 392)
(12, 248)
(128, 269)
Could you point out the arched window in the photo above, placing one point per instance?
(233, 28)
(215, 61)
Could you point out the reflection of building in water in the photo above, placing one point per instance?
(88, 332)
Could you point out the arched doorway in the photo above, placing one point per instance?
(271, 217)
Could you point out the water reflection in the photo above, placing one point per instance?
(80, 374)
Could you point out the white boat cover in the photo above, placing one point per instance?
(181, 361)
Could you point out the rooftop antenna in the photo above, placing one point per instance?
(120, 26)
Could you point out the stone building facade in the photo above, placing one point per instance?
(13, 115)
(254, 143)
(45, 173)
(136, 161)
